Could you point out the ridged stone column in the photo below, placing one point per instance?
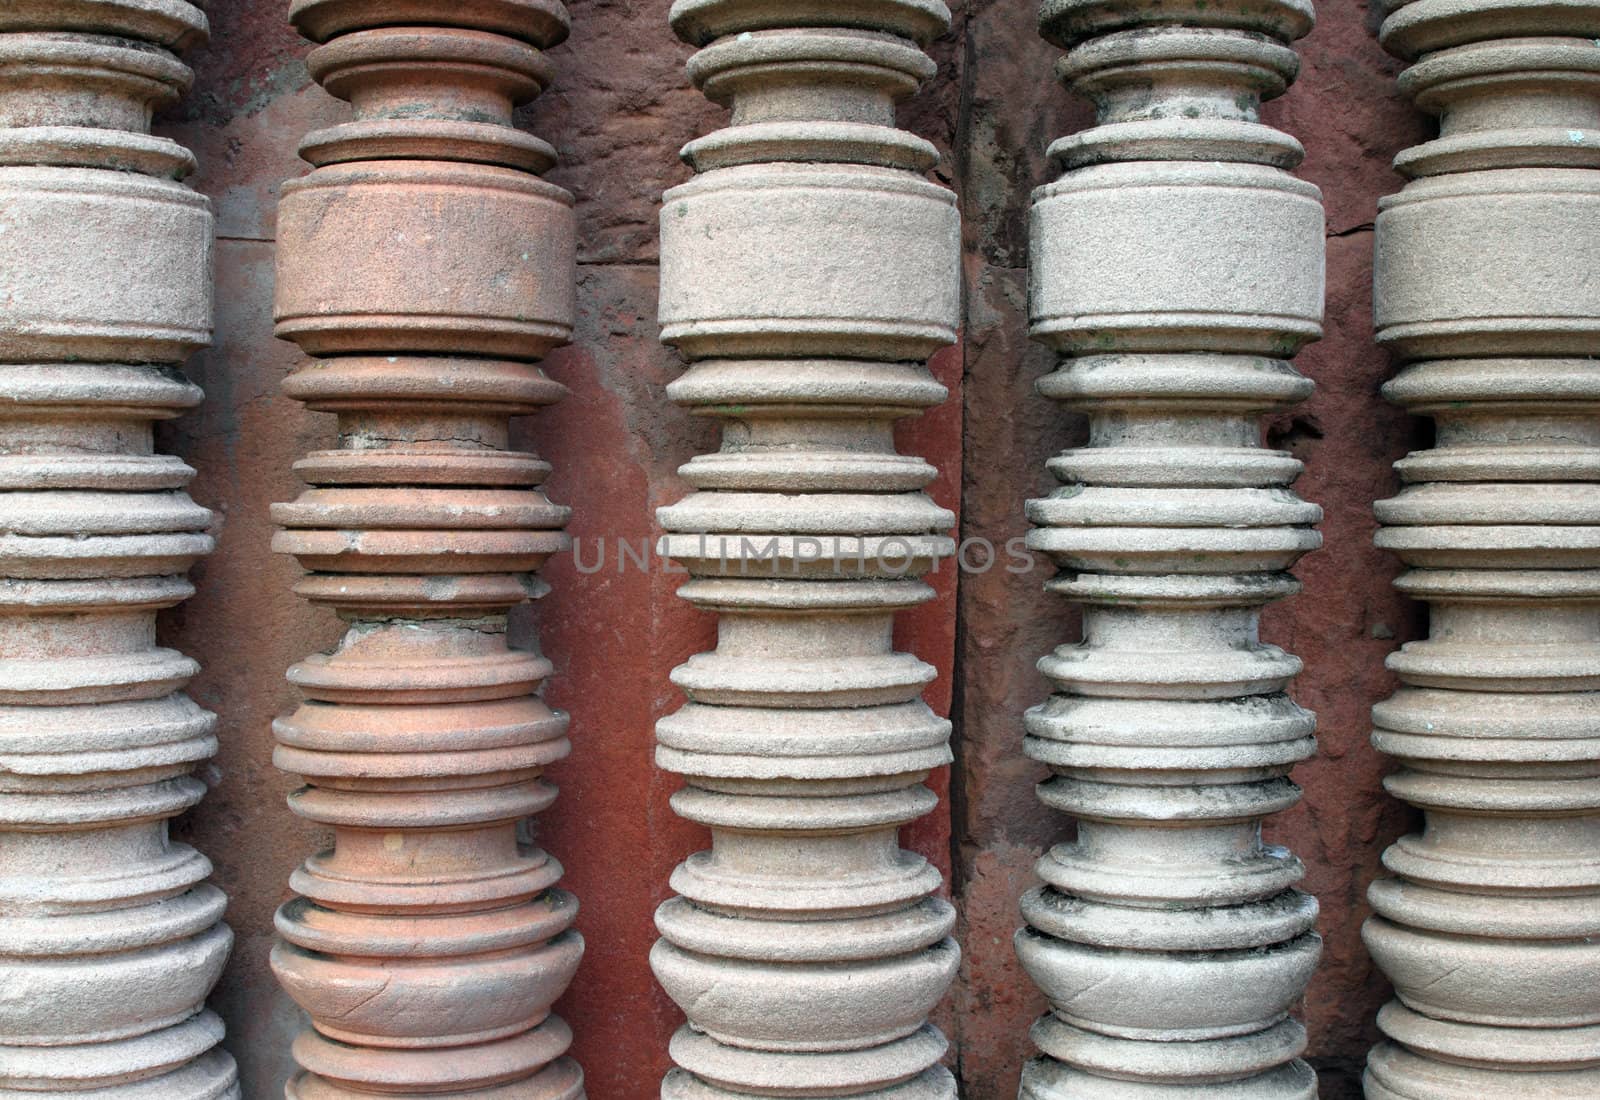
(425, 267)
(807, 272)
(110, 938)
(1176, 266)
(1487, 269)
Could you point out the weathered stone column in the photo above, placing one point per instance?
(1176, 265)
(110, 938)
(806, 272)
(1486, 272)
(426, 268)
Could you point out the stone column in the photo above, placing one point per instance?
(1176, 266)
(110, 937)
(426, 268)
(807, 272)
(1486, 272)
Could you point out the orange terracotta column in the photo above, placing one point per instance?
(110, 937)
(426, 269)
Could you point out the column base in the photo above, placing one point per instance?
(933, 1084)
(1047, 1079)
(182, 1062)
(1396, 1073)
(530, 1066)
(560, 1080)
(212, 1076)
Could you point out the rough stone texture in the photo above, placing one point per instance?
(1484, 281)
(617, 112)
(110, 935)
(807, 271)
(426, 268)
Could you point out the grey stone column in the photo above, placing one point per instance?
(1176, 266)
(110, 936)
(806, 273)
(1487, 266)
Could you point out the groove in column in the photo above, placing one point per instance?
(426, 269)
(806, 272)
(1176, 266)
(1485, 269)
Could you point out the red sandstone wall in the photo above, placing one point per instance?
(618, 112)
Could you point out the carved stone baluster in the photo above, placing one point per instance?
(426, 268)
(1486, 269)
(110, 937)
(1176, 265)
(807, 271)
